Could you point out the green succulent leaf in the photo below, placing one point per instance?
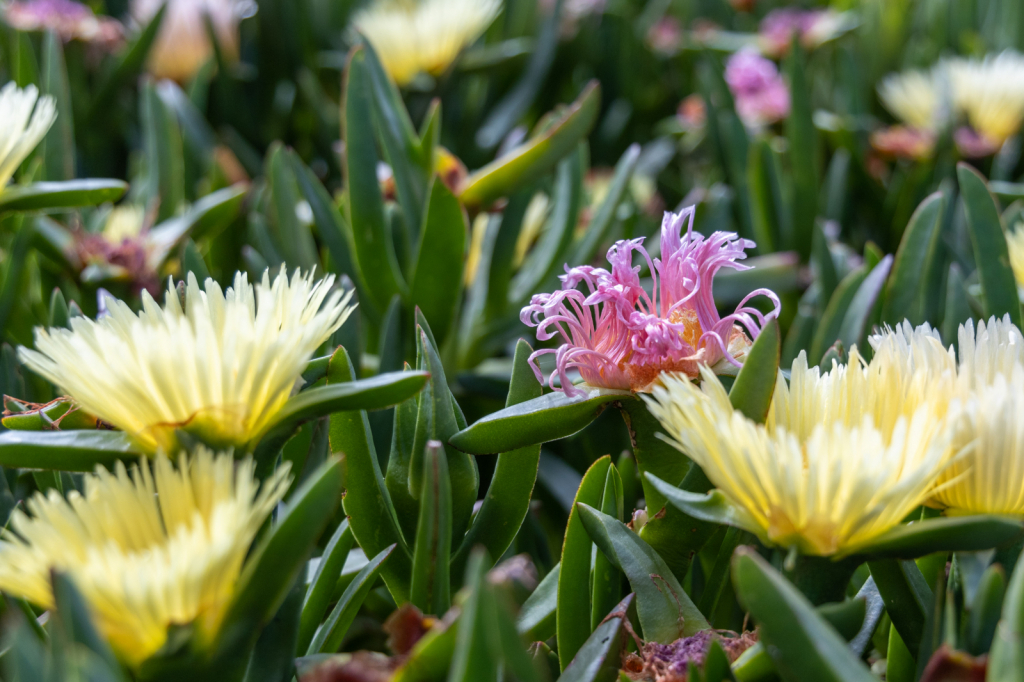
(665, 610)
(802, 643)
(431, 581)
(712, 507)
(943, 534)
(905, 292)
(436, 279)
(751, 393)
(537, 156)
(42, 196)
(550, 417)
(986, 229)
(317, 597)
(1006, 658)
(536, 619)
(598, 660)
(65, 450)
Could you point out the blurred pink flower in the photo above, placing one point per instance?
(617, 335)
(762, 97)
(665, 36)
(68, 19)
(812, 27)
(903, 142)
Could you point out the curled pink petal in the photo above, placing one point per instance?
(620, 335)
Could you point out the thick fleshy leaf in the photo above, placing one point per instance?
(476, 657)
(536, 156)
(856, 321)
(802, 643)
(207, 213)
(375, 393)
(41, 196)
(330, 634)
(803, 151)
(65, 450)
(275, 563)
(547, 418)
(831, 323)
(653, 453)
(294, 236)
(825, 273)
(431, 581)
(944, 534)
(1006, 659)
(712, 507)
(163, 180)
(769, 211)
(274, 654)
(751, 393)
(436, 279)
(991, 253)
(599, 659)
(367, 502)
(371, 234)
(905, 290)
(536, 619)
(985, 611)
(58, 147)
(317, 597)
(908, 599)
(605, 576)
(573, 616)
(507, 501)
(665, 610)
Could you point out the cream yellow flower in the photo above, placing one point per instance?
(183, 45)
(148, 550)
(219, 369)
(1015, 245)
(990, 93)
(423, 36)
(25, 118)
(914, 97)
(989, 383)
(843, 457)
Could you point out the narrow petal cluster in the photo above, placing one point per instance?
(148, 549)
(25, 118)
(220, 368)
(183, 45)
(762, 97)
(617, 334)
(989, 383)
(423, 36)
(843, 457)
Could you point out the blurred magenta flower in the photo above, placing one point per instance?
(762, 97)
(617, 335)
(68, 19)
(811, 27)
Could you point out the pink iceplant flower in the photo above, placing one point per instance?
(761, 95)
(617, 335)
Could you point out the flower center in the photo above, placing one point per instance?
(692, 330)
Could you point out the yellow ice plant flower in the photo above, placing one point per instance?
(844, 455)
(1015, 245)
(989, 93)
(219, 369)
(25, 118)
(914, 97)
(147, 549)
(423, 36)
(989, 478)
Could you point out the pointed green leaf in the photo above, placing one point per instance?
(65, 450)
(535, 157)
(294, 235)
(713, 507)
(985, 611)
(856, 321)
(317, 597)
(601, 223)
(665, 610)
(476, 656)
(599, 659)
(831, 323)
(944, 534)
(990, 250)
(606, 578)
(371, 234)
(905, 290)
(536, 619)
(573, 615)
(367, 502)
(59, 144)
(436, 280)
(41, 196)
(431, 581)
(801, 134)
(803, 644)
(550, 417)
(907, 598)
(329, 635)
(751, 393)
